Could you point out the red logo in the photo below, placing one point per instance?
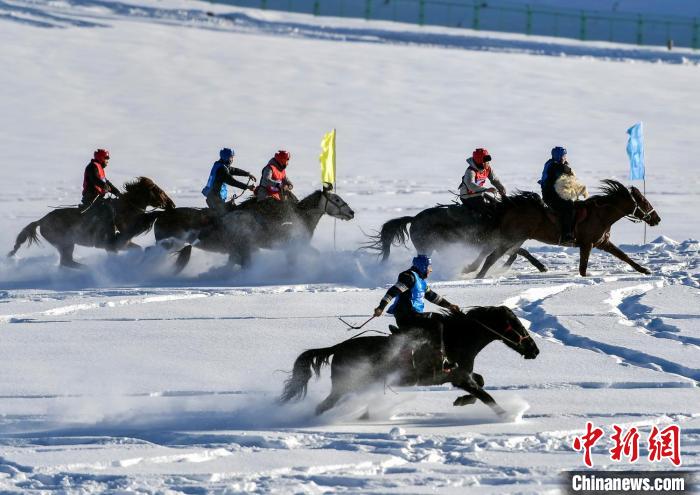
(664, 444)
(587, 441)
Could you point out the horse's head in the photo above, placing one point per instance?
(144, 191)
(335, 206)
(502, 324)
(642, 208)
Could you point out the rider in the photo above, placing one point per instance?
(273, 178)
(474, 179)
(555, 167)
(408, 294)
(95, 186)
(221, 174)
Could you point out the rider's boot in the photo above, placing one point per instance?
(567, 228)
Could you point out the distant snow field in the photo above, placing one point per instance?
(127, 378)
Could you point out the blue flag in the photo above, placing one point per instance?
(635, 150)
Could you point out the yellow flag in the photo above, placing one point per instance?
(327, 158)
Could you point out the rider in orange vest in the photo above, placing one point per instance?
(273, 178)
(95, 183)
(98, 213)
(474, 181)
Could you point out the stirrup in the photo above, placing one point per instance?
(447, 365)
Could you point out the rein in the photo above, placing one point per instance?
(509, 328)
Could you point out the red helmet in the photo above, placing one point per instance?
(481, 156)
(101, 155)
(282, 157)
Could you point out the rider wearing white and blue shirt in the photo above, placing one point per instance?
(221, 174)
(409, 293)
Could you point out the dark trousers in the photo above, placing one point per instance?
(218, 205)
(98, 221)
(567, 214)
(429, 324)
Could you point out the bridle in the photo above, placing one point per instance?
(509, 328)
(645, 214)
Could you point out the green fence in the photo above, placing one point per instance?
(502, 16)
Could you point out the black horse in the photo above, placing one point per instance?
(250, 226)
(471, 225)
(407, 360)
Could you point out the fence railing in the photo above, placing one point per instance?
(501, 16)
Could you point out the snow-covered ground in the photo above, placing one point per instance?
(126, 377)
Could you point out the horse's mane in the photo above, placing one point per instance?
(473, 314)
(138, 184)
(612, 188)
(309, 201)
(518, 200)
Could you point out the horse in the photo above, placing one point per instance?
(66, 227)
(405, 360)
(525, 216)
(250, 226)
(445, 225)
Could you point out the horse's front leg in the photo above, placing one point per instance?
(611, 248)
(474, 265)
(470, 384)
(584, 253)
(492, 258)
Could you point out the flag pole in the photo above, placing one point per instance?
(644, 187)
(335, 186)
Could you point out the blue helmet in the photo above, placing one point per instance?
(226, 154)
(422, 262)
(558, 153)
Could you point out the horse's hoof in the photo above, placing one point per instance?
(464, 400)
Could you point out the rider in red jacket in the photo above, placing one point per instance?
(98, 214)
(273, 179)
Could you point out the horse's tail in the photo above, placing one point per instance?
(183, 257)
(394, 232)
(295, 386)
(28, 233)
(151, 218)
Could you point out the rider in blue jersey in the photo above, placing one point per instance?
(408, 294)
(221, 174)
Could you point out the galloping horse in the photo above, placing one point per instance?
(362, 361)
(64, 227)
(444, 225)
(250, 226)
(525, 216)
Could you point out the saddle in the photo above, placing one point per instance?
(580, 210)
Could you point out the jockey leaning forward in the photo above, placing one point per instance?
(220, 176)
(473, 184)
(273, 178)
(408, 294)
(560, 190)
(98, 212)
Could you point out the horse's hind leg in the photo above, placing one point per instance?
(328, 402)
(66, 253)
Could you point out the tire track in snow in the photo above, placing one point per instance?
(530, 304)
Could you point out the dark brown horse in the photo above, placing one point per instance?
(362, 361)
(445, 225)
(66, 227)
(524, 216)
(251, 226)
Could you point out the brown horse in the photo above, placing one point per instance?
(407, 360)
(524, 216)
(66, 227)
